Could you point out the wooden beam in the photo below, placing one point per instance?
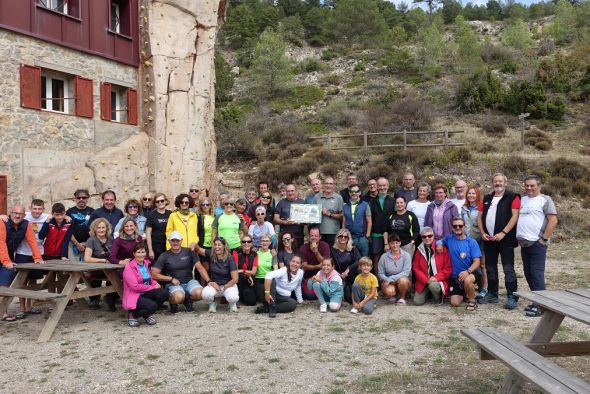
(551, 349)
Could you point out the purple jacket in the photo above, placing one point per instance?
(450, 212)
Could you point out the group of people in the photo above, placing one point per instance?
(413, 243)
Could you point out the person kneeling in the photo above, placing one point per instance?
(278, 287)
(176, 266)
(364, 288)
(142, 295)
(222, 278)
(432, 270)
(394, 269)
(328, 287)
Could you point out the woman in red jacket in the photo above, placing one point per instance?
(432, 270)
(142, 295)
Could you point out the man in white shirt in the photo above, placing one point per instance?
(460, 190)
(536, 222)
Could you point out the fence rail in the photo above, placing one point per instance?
(445, 133)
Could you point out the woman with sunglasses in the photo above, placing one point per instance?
(132, 207)
(155, 228)
(228, 225)
(287, 248)
(194, 193)
(346, 259)
(205, 221)
(184, 221)
(432, 270)
(222, 277)
(261, 226)
(266, 202)
(267, 262)
(247, 262)
(147, 203)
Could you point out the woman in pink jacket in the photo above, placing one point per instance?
(142, 295)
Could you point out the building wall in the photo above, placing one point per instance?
(33, 142)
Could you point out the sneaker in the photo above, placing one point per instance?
(173, 308)
(393, 299)
(150, 320)
(323, 308)
(534, 311)
(529, 307)
(489, 299)
(261, 309)
(354, 310)
(188, 305)
(511, 303)
(213, 307)
(482, 293)
(233, 307)
(401, 301)
(133, 322)
(272, 310)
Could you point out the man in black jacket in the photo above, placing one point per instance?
(497, 223)
(382, 207)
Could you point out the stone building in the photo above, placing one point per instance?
(106, 94)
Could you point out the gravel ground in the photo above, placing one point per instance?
(397, 349)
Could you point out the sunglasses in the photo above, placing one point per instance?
(147, 199)
(355, 191)
(261, 214)
(427, 236)
(246, 241)
(343, 236)
(132, 206)
(229, 203)
(287, 239)
(194, 190)
(264, 196)
(81, 197)
(205, 204)
(184, 202)
(160, 201)
(458, 225)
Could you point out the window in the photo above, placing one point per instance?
(120, 17)
(118, 103)
(66, 7)
(50, 90)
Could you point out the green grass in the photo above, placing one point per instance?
(385, 382)
(297, 97)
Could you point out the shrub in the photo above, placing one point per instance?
(561, 185)
(584, 150)
(538, 139)
(399, 60)
(291, 29)
(509, 67)
(404, 158)
(569, 169)
(339, 114)
(331, 79)
(517, 35)
(412, 114)
(544, 145)
(581, 188)
(514, 166)
(586, 203)
(375, 170)
(360, 66)
(297, 97)
(495, 54)
(309, 65)
(329, 169)
(531, 97)
(494, 126)
(557, 73)
(479, 91)
(328, 54)
(546, 46)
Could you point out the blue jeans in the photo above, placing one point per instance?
(533, 265)
(362, 244)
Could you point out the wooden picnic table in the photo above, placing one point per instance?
(74, 272)
(529, 361)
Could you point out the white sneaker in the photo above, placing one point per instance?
(213, 307)
(233, 307)
(323, 308)
(354, 310)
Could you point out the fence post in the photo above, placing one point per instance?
(405, 140)
(365, 145)
(329, 141)
(446, 139)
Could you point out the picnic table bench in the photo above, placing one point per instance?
(74, 272)
(529, 361)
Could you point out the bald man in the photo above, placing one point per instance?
(460, 190)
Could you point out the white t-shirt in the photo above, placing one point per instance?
(458, 203)
(36, 224)
(532, 218)
(419, 209)
(491, 216)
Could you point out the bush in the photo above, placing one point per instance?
(329, 169)
(494, 126)
(339, 114)
(459, 154)
(412, 114)
(328, 54)
(360, 66)
(297, 97)
(517, 35)
(509, 67)
(561, 185)
(514, 166)
(404, 158)
(586, 203)
(399, 60)
(538, 139)
(331, 79)
(557, 73)
(290, 136)
(495, 54)
(531, 97)
(375, 170)
(291, 29)
(309, 65)
(546, 46)
(479, 91)
(580, 188)
(569, 169)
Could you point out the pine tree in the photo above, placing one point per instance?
(270, 65)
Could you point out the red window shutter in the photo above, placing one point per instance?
(131, 106)
(3, 194)
(84, 102)
(30, 86)
(105, 101)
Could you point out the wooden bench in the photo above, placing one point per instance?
(526, 363)
(32, 294)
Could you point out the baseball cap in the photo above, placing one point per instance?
(175, 235)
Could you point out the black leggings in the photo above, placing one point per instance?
(247, 292)
(283, 304)
(148, 303)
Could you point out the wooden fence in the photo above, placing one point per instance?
(446, 143)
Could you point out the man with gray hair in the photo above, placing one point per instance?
(536, 222)
(460, 190)
(408, 188)
(432, 270)
(497, 224)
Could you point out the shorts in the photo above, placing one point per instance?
(6, 276)
(456, 287)
(187, 287)
(377, 246)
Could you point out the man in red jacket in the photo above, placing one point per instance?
(432, 270)
(56, 232)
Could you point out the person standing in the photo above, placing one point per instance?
(460, 190)
(351, 179)
(537, 220)
(155, 227)
(332, 205)
(371, 192)
(382, 207)
(109, 211)
(282, 215)
(80, 216)
(357, 219)
(497, 224)
(440, 213)
(408, 189)
(316, 187)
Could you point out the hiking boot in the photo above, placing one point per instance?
(261, 309)
(482, 293)
(272, 310)
(528, 307)
(511, 302)
(150, 320)
(133, 322)
(534, 311)
(188, 305)
(489, 299)
(173, 308)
